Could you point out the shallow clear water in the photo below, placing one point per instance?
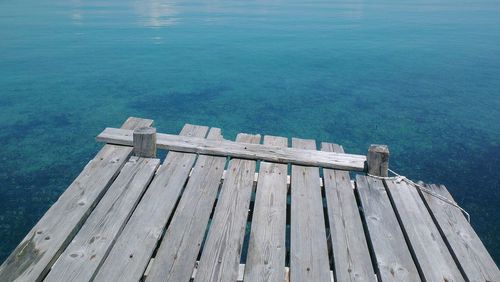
(420, 76)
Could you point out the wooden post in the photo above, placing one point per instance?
(145, 142)
(378, 160)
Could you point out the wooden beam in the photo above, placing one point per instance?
(221, 254)
(392, 254)
(144, 141)
(378, 160)
(350, 250)
(308, 242)
(266, 250)
(242, 150)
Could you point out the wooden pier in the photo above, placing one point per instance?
(254, 209)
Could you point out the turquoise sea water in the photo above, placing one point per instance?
(420, 76)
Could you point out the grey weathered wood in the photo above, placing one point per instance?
(433, 257)
(378, 160)
(266, 250)
(241, 271)
(350, 251)
(308, 250)
(133, 249)
(180, 246)
(393, 257)
(220, 257)
(245, 151)
(92, 243)
(36, 253)
(461, 238)
(134, 122)
(144, 140)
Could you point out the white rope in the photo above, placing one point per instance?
(398, 178)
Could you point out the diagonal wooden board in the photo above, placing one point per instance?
(36, 253)
(243, 150)
(220, 257)
(351, 256)
(133, 249)
(433, 257)
(176, 256)
(308, 252)
(461, 238)
(393, 257)
(91, 245)
(266, 251)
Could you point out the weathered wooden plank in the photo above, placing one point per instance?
(461, 238)
(394, 260)
(221, 254)
(134, 122)
(433, 257)
(133, 249)
(92, 243)
(350, 251)
(36, 253)
(266, 251)
(308, 250)
(241, 271)
(180, 246)
(244, 151)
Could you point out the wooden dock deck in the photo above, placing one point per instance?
(254, 209)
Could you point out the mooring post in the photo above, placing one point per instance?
(378, 160)
(145, 142)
